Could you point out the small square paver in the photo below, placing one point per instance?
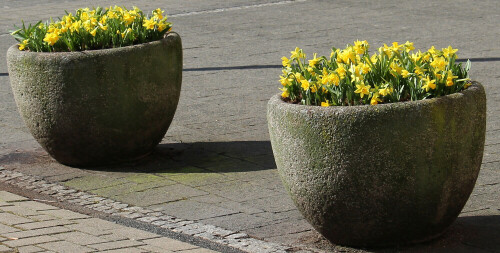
(169, 244)
(10, 197)
(64, 246)
(11, 219)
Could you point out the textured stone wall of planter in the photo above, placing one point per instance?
(101, 106)
(380, 175)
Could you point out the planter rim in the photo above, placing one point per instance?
(168, 36)
(475, 87)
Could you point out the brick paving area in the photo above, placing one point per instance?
(215, 165)
(32, 226)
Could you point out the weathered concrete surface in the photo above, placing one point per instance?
(102, 106)
(218, 146)
(380, 175)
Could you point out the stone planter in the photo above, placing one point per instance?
(102, 106)
(380, 175)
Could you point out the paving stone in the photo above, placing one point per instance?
(192, 210)
(241, 221)
(44, 224)
(128, 188)
(10, 197)
(4, 248)
(64, 214)
(17, 210)
(169, 244)
(80, 238)
(151, 248)
(134, 234)
(194, 176)
(30, 241)
(116, 245)
(198, 250)
(92, 182)
(238, 191)
(63, 246)
(11, 219)
(37, 232)
(160, 195)
(37, 206)
(42, 217)
(99, 223)
(126, 250)
(7, 229)
(281, 228)
(29, 249)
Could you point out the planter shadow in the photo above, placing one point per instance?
(466, 234)
(197, 157)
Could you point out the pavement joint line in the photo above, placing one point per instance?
(236, 8)
(211, 233)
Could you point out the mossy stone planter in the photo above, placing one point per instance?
(380, 175)
(102, 106)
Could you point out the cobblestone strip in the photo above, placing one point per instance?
(208, 232)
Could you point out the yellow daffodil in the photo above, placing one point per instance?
(149, 24)
(341, 71)
(439, 63)
(285, 93)
(375, 99)
(51, 38)
(449, 52)
(297, 54)
(314, 61)
(362, 89)
(405, 73)
(429, 84)
(449, 78)
(304, 84)
(325, 104)
(23, 45)
(360, 47)
(409, 46)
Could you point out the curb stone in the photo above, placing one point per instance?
(211, 233)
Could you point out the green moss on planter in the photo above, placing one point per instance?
(98, 107)
(384, 174)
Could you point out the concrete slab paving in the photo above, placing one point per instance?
(20, 231)
(217, 152)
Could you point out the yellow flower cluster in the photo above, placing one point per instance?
(94, 29)
(352, 76)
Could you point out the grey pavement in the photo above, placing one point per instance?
(33, 226)
(215, 165)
